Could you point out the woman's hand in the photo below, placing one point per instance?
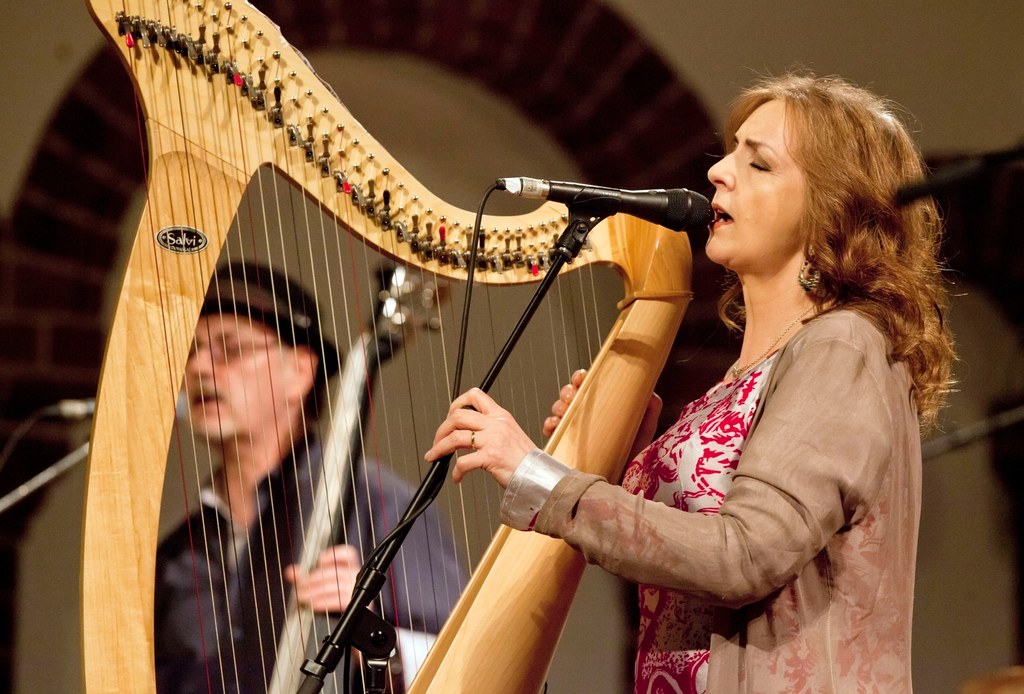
(497, 442)
(328, 587)
(565, 398)
(648, 425)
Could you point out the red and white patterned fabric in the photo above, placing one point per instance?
(690, 468)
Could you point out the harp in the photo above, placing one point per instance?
(223, 94)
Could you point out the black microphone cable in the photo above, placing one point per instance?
(460, 358)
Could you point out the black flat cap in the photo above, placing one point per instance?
(268, 296)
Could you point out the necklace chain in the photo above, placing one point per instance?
(737, 371)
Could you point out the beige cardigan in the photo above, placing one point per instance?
(812, 555)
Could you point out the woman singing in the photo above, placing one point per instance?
(772, 530)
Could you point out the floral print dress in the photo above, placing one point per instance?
(689, 467)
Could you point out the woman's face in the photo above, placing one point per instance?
(759, 199)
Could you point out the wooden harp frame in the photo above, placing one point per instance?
(222, 94)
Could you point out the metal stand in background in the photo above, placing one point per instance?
(957, 173)
(972, 432)
(21, 491)
(947, 177)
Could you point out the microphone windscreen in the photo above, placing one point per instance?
(687, 211)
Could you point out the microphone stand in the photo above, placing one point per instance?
(972, 432)
(359, 627)
(23, 490)
(956, 173)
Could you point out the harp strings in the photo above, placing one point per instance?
(343, 302)
(346, 305)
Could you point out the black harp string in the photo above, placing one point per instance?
(240, 541)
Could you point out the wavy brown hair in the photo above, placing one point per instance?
(875, 257)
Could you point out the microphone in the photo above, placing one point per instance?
(678, 209)
(72, 409)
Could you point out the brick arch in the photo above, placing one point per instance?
(574, 68)
(62, 243)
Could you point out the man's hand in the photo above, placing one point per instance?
(328, 587)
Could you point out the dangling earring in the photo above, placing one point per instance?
(809, 276)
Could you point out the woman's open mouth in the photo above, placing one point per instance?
(721, 217)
